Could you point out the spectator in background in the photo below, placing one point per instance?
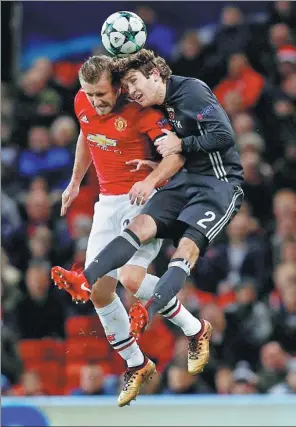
(41, 245)
(224, 343)
(11, 364)
(224, 380)
(284, 276)
(233, 36)
(279, 36)
(284, 210)
(63, 132)
(283, 12)
(30, 385)
(179, 381)
(10, 280)
(243, 123)
(42, 159)
(288, 253)
(244, 380)
(12, 227)
(258, 179)
(36, 104)
(94, 383)
(253, 317)
(284, 175)
(38, 210)
(289, 386)
(192, 60)
(274, 362)
(285, 318)
(286, 57)
(243, 255)
(40, 313)
(160, 37)
(241, 79)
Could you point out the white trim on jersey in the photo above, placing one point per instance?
(211, 234)
(216, 160)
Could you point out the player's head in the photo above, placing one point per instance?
(99, 84)
(144, 75)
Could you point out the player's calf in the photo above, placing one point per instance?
(187, 250)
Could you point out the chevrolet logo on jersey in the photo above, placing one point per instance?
(101, 140)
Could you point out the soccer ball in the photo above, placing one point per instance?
(123, 33)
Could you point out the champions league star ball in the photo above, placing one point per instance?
(123, 33)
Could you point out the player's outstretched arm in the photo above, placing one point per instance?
(81, 164)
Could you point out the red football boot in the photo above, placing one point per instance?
(138, 316)
(74, 282)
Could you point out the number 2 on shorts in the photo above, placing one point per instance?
(211, 216)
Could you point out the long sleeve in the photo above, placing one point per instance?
(213, 129)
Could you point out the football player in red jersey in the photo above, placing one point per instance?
(116, 134)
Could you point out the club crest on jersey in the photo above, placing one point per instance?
(120, 124)
(171, 113)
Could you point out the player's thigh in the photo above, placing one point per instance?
(212, 209)
(103, 231)
(164, 207)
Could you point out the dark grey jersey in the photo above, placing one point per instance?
(208, 140)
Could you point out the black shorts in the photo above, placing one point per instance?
(201, 202)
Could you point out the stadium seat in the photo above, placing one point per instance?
(45, 349)
(88, 349)
(84, 325)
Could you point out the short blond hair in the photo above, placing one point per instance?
(92, 70)
(144, 61)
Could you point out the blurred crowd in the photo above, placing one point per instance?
(245, 285)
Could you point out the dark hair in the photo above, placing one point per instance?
(91, 70)
(144, 61)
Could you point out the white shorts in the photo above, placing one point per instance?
(112, 214)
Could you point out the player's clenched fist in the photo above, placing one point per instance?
(140, 192)
(168, 145)
(68, 196)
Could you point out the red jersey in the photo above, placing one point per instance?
(126, 134)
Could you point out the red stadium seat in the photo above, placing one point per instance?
(45, 349)
(87, 349)
(84, 325)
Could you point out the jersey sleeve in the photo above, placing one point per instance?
(152, 121)
(213, 127)
(80, 104)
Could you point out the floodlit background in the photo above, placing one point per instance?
(246, 283)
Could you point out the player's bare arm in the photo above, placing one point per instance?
(142, 164)
(81, 164)
(168, 167)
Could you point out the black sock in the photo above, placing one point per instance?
(168, 285)
(116, 254)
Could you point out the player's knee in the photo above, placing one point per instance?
(144, 227)
(131, 277)
(188, 250)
